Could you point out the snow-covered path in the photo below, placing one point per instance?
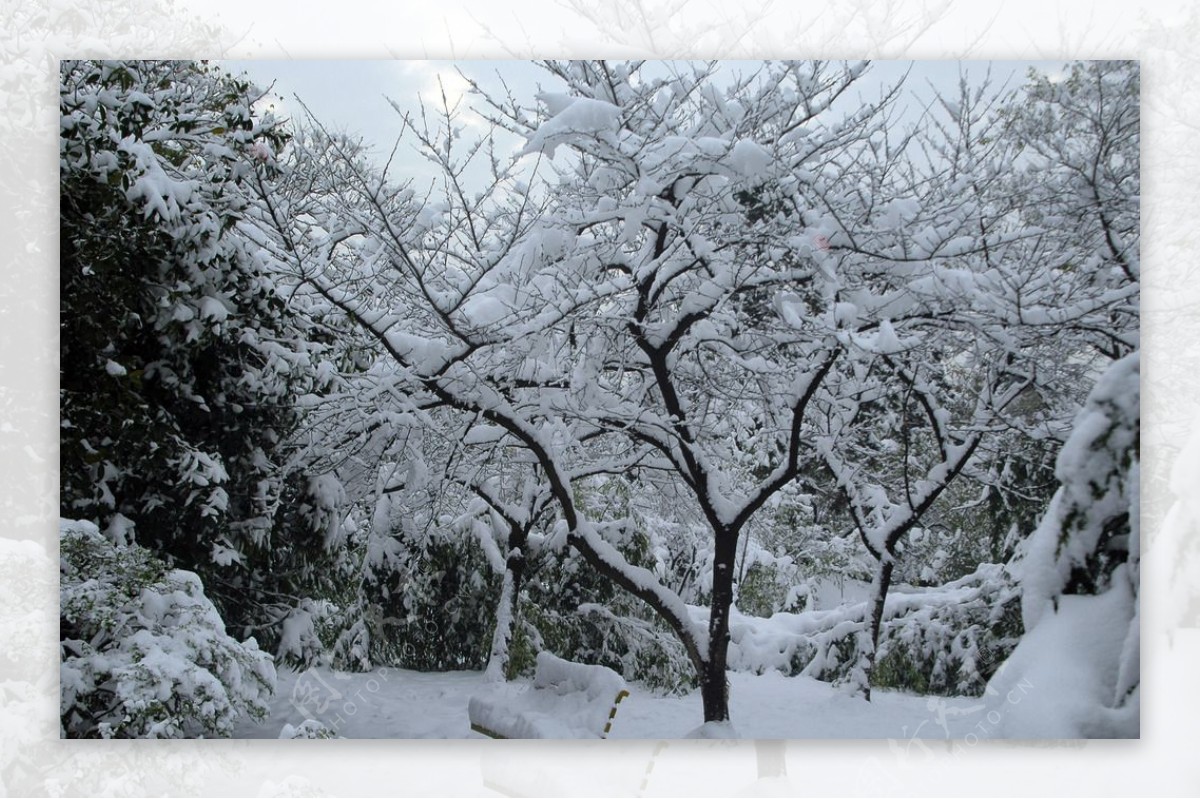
(396, 703)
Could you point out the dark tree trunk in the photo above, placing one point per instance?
(714, 692)
(714, 689)
(882, 582)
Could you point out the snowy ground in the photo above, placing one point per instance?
(394, 703)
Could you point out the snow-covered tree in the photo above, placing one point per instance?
(1044, 285)
(930, 233)
(740, 286)
(1080, 182)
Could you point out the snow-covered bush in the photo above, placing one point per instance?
(626, 638)
(1090, 529)
(951, 648)
(764, 587)
(1078, 571)
(144, 653)
(436, 614)
(948, 639)
(568, 608)
(182, 367)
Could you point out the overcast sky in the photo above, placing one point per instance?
(352, 96)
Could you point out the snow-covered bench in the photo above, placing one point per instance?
(567, 700)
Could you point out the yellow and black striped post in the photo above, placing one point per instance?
(612, 713)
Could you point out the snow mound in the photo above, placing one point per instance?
(564, 677)
(714, 730)
(568, 700)
(1061, 679)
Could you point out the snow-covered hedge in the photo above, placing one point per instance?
(944, 640)
(144, 652)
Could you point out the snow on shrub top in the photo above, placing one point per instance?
(144, 652)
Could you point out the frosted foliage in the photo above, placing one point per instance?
(185, 372)
(144, 653)
(150, 161)
(325, 501)
(308, 729)
(298, 639)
